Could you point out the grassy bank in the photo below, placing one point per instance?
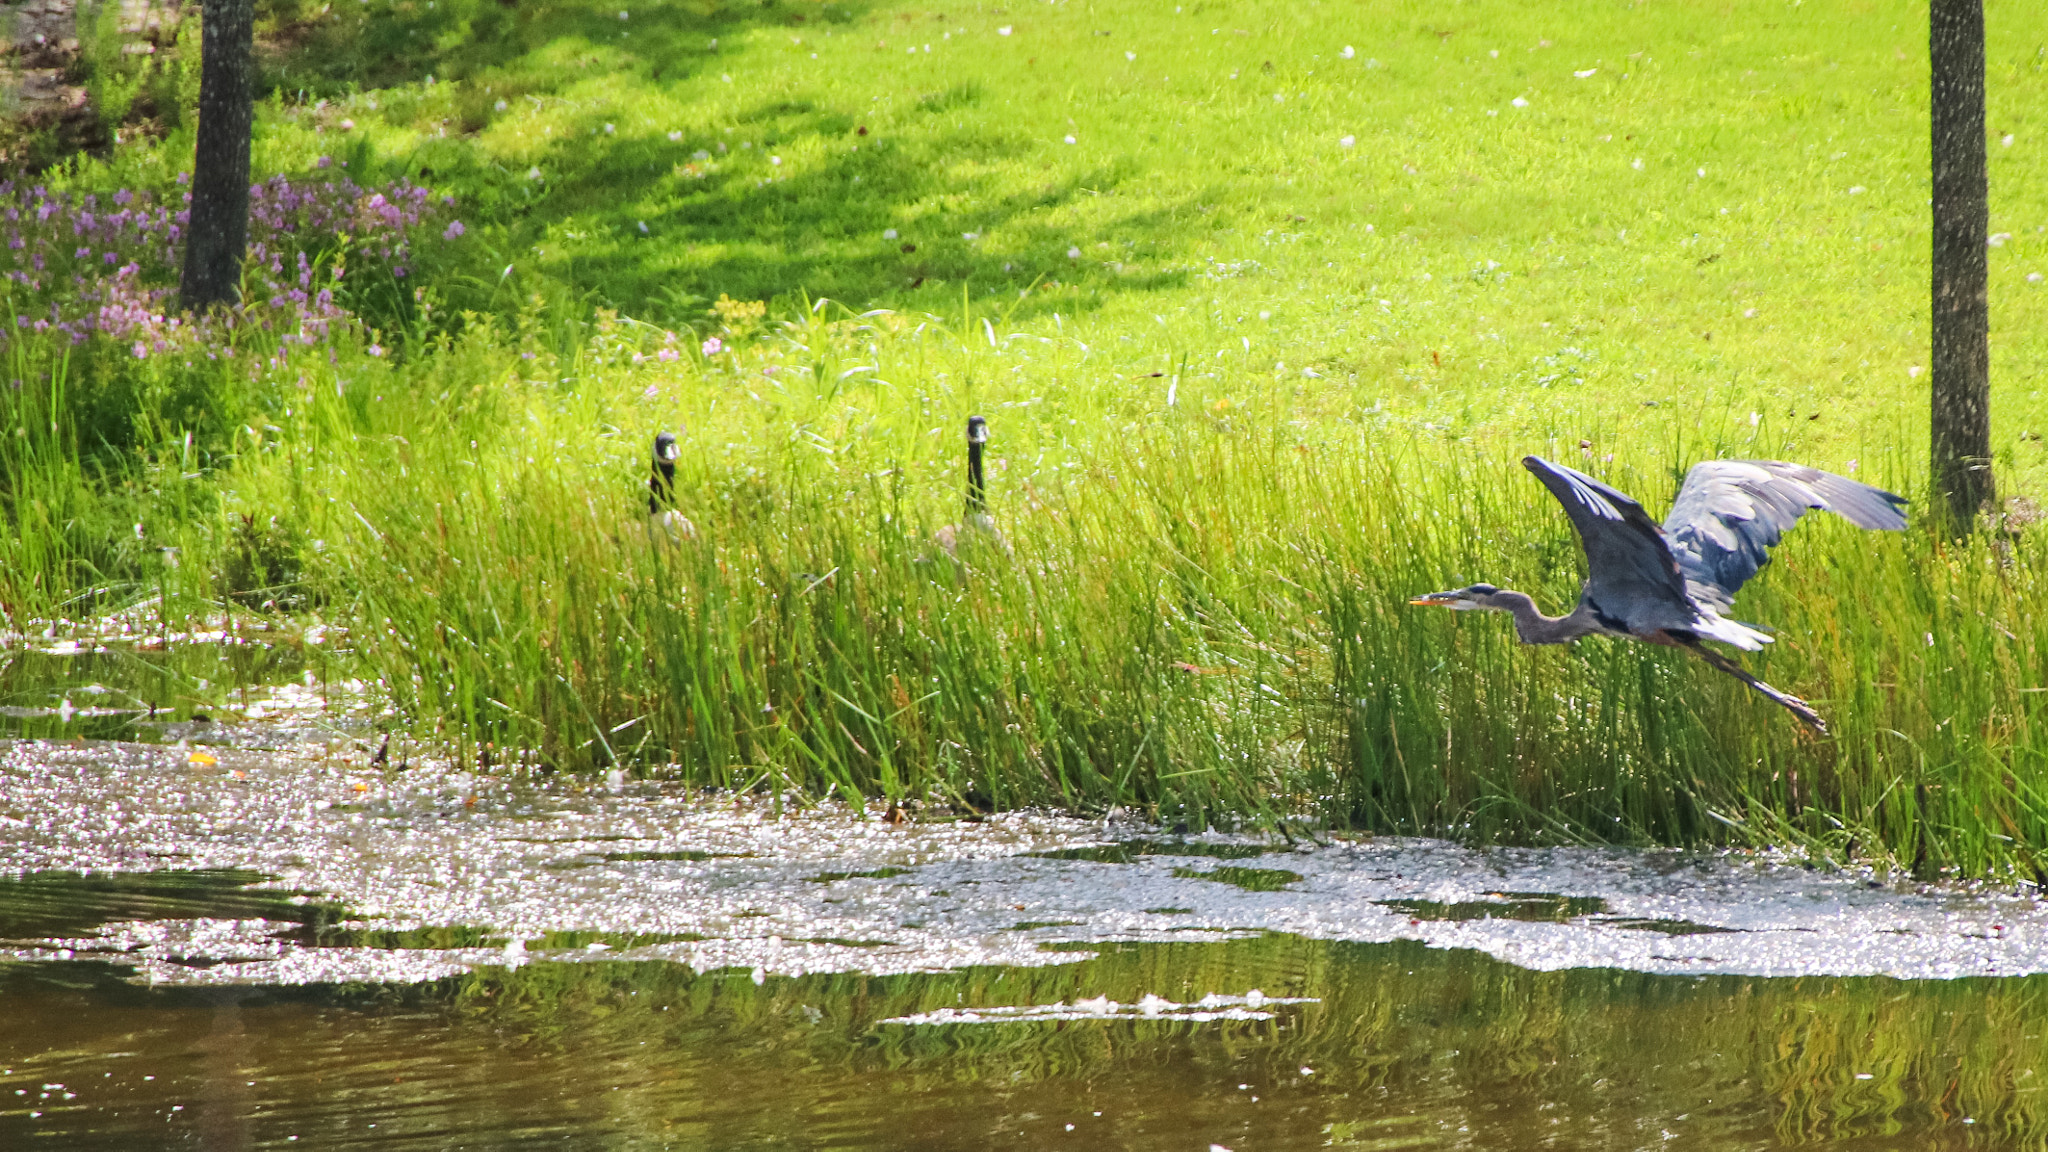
(1260, 348)
(1202, 614)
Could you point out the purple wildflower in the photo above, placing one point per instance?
(123, 295)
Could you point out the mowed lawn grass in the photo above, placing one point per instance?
(1525, 223)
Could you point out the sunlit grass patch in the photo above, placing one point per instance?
(1200, 614)
(1664, 228)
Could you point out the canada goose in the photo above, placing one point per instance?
(977, 523)
(662, 518)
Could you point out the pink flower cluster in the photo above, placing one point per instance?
(87, 264)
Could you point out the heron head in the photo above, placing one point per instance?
(1462, 599)
(666, 450)
(977, 430)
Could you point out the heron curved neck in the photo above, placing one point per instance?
(1533, 627)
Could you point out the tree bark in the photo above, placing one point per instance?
(1961, 407)
(217, 234)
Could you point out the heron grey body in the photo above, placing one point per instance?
(1671, 583)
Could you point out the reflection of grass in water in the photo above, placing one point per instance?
(1126, 851)
(583, 939)
(876, 874)
(187, 679)
(64, 904)
(688, 854)
(1400, 1035)
(1779, 1058)
(1668, 927)
(460, 936)
(1534, 906)
(1249, 879)
(431, 936)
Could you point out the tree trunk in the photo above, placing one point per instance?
(218, 232)
(1961, 322)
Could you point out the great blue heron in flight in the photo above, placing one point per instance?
(1670, 585)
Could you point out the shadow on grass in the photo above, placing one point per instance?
(657, 220)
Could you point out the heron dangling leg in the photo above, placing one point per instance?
(1793, 704)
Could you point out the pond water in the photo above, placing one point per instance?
(255, 930)
(1374, 1046)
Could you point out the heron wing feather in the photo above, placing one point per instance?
(1730, 513)
(1630, 573)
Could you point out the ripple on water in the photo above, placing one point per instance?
(517, 960)
(1273, 1041)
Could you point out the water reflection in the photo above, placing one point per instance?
(1533, 907)
(1125, 851)
(59, 905)
(1394, 1045)
(198, 692)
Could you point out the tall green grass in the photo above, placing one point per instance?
(1202, 614)
(1278, 389)
(112, 471)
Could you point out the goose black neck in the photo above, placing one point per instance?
(661, 487)
(976, 494)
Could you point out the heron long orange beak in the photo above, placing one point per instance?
(1436, 599)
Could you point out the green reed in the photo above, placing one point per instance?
(1201, 613)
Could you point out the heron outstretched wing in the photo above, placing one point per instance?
(1631, 576)
(1729, 513)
